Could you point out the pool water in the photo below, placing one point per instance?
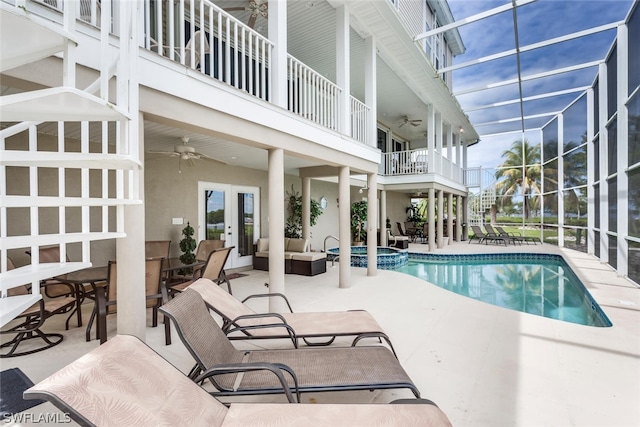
(542, 285)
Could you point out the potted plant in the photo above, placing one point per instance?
(187, 246)
(293, 226)
(358, 220)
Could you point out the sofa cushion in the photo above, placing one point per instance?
(263, 245)
(309, 256)
(262, 254)
(297, 245)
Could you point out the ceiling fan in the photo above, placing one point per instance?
(404, 120)
(185, 152)
(255, 7)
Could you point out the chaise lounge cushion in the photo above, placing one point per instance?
(124, 382)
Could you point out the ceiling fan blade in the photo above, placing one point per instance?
(252, 20)
(233, 9)
(415, 122)
(213, 160)
(166, 153)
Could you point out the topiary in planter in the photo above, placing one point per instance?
(187, 246)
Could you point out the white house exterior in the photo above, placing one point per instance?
(332, 99)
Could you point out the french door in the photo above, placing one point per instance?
(230, 213)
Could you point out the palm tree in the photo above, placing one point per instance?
(520, 171)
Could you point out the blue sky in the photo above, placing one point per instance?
(538, 21)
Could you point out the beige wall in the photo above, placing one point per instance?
(397, 204)
(18, 219)
(170, 194)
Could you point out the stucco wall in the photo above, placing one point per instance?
(397, 204)
(19, 221)
(170, 194)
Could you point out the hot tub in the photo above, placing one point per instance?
(388, 258)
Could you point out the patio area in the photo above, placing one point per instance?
(483, 365)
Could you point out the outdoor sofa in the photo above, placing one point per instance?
(298, 259)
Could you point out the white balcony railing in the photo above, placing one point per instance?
(360, 116)
(202, 36)
(415, 162)
(86, 10)
(226, 49)
(408, 162)
(311, 95)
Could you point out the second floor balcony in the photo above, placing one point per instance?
(418, 162)
(214, 42)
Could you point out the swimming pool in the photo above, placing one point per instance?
(539, 284)
(387, 258)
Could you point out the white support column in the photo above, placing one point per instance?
(458, 142)
(431, 138)
(372, 225)
(343, 76)
(439, 139)
(383, 218)
(277, 26)
(591, 222)
(276, 228)
(560, 150)
(306, 208)
(465, 154)
(431, 218)
(622, 142)
(449, 140)
(131, 303)
(604, 164)
(459, 218)
(440, 230)
(370, 92)
(344, 221)
(450, 217)
(465, 213)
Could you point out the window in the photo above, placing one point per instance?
(596, 108)
(634, 46)
(612, 144)
(613, 204)
(612, 82)
(634, 129)
(634, 203)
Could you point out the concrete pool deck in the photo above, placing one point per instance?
(483, 365)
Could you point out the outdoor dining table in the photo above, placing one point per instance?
(171, 265)
(97, 278)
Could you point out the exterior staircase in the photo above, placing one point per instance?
(482, 193)
(94, 136)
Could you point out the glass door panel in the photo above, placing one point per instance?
(247, 223)
(231, 214)
(214, 214)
